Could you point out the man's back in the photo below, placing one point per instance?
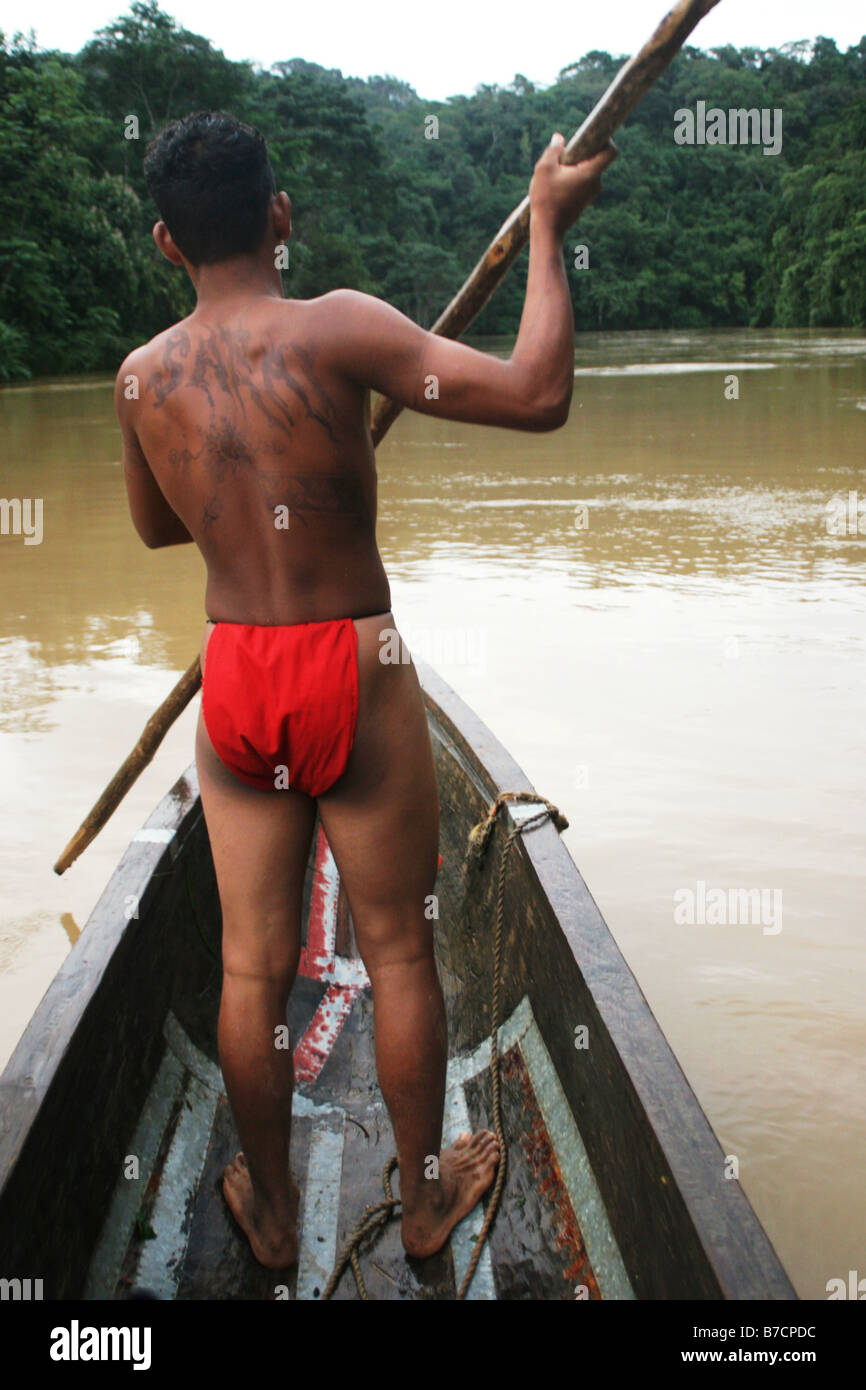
(262, 449)
(249, 431)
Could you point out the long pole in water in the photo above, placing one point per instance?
(628, 88)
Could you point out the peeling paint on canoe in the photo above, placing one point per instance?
(315, 1046)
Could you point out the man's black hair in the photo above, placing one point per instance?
(212, 181)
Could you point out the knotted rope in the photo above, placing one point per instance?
(373, 1218)
(376, 1217)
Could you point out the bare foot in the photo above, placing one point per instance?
(274, 1245)
(466, 1170)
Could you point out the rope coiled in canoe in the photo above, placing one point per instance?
(376, 1217)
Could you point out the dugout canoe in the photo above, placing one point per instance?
(114, 1125)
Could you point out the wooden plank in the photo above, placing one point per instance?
(320, 1207)
(219, 1263)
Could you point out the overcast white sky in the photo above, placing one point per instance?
(443, 47)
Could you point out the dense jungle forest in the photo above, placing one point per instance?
(683, 236)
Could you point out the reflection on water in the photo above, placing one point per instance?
(659, 609)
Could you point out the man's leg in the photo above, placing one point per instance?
(260, 843)
(382, 823)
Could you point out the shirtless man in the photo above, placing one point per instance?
(249, 434)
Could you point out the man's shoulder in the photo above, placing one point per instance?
(338, 305)
(354, 324)
(141, 360)
(342, 298)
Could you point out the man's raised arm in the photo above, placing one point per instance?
(381, 348)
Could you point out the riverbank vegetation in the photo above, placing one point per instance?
(684, 236)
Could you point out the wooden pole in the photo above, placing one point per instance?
(630, 85)
(153, 733)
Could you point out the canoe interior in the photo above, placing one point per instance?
(114, 1125)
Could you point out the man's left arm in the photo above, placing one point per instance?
(154, 519)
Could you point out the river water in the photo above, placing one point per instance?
(658, 609)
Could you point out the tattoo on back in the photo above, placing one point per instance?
(225, 452)
(248, 388)
(225, 364)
